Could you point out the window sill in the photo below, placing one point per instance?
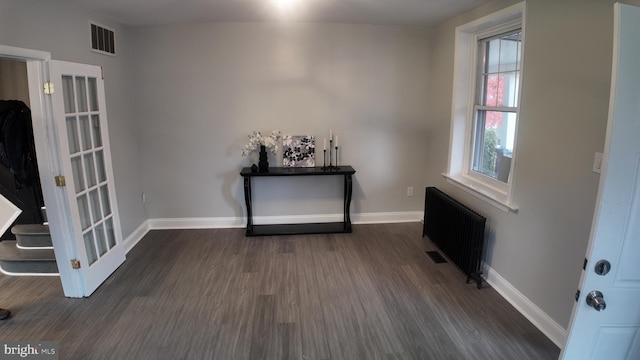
(492, 196)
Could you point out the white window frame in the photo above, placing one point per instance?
(460, 174)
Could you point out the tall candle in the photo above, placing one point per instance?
(325, 143)
(330, 135)
(336, 140)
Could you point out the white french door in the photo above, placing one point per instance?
(605, 323)
(79, 111)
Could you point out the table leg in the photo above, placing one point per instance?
(348, 191)
(247, 201)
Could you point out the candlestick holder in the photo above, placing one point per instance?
(331, 166)
(324, 159)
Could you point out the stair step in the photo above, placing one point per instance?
(15, 261)
(32, 236)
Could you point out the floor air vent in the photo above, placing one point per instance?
(103, 40)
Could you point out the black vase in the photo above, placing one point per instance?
(263, 164)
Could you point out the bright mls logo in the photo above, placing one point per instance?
(29, 350)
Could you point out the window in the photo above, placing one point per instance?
(496, 105)
(487, 69)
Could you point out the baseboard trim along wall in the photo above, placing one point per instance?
(538, 318)
(237, 222)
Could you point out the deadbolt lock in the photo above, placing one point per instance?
(602, 267)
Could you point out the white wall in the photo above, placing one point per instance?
(62, 29)
(200, 89)
(565, 94)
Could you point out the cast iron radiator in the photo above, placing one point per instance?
(457, 230)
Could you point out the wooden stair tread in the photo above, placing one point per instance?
(9, 252)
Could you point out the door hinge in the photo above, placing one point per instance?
(577, 295)
(75, 263)
(48, 88)
(60, 181)
(584, 265)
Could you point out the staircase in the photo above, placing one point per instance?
(31, 254)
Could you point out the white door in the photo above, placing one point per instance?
(614, 332)
(78, 104)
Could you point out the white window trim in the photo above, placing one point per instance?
(490, 190)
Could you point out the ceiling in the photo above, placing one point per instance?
(383, 12)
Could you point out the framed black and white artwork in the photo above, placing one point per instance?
(298, 151)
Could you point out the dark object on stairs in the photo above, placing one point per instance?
(457, 230)
(4, 314)
(19, 177)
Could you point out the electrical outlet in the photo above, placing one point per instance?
(410, 191)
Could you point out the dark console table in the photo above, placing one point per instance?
(291, 229)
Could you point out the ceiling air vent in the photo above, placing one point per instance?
(103, 40)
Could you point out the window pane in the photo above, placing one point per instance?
(102, 173)
(95, 206)
(495, 137)
(106, 203)
(72, 134)
(67, 94)
(493, 90)
(97, 136)
(78, 173)
(100, 240)
(91, 170)
(509, 52)
(93, 94)
(81, 92)
(111, 236)
(91, 247)
(85, 130)
(83, 209)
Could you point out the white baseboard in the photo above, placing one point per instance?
(136, 235)
(539, 318)
(196, 223)
(240, 222)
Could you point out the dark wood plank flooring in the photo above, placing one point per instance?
(215, 294)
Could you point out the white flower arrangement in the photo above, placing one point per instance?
(256, 140)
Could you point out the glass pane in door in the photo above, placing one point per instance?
(83, 209)
(91, 170)
(72, 134)
(97, 136)
(85, 130)
(81, 93)
(67, 89)
(90, 246)
(78, 173)
(100, 240)
(93, 95)
(106, 205)
(111, 237)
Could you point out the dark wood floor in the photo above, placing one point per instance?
(215, 294)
